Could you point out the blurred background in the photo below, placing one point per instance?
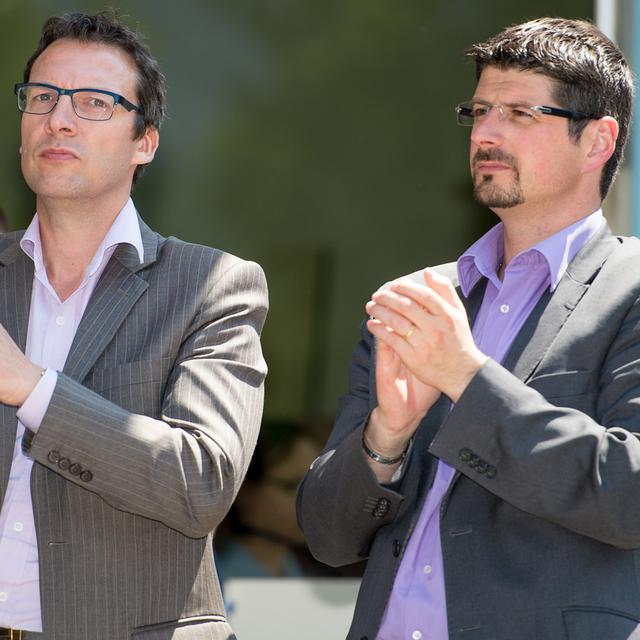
(319, 139)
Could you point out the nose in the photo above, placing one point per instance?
(488, 131)
(62, 118)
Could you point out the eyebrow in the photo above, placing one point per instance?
(514, 103)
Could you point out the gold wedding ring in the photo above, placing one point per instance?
(408, 334)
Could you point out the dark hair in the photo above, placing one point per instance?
(591, 74)
(107, 28)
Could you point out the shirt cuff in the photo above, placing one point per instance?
(35, 406)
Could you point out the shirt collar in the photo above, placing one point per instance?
(483, 256)
(124, 230)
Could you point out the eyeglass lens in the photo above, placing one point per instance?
(91, 105)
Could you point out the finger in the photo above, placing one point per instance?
(392, 339)
(442, 285)
(397, 321)
(424, 297)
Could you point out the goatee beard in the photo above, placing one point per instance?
(491, 195)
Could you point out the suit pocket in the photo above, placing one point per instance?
(561, 384)
(196, 628)
(589, 623)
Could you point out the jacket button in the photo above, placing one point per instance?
(382, 508)
(491, 472)
(53, 456)
(465, 455)
(75, 469)
(64, 463)
(397, 547)
(86, 476)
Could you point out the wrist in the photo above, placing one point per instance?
(31, 378)
(383, 440)
(467, 373)
(381, 459)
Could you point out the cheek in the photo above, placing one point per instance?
(26, 134)
(111, 155)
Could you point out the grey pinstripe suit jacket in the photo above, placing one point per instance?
(146, 440)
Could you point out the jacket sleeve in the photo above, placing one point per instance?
(340, 503)
(564, 447)
(184, 466)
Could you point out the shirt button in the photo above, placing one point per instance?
(416, 635)
(504, 308)
(427, 569)
(18, 526)
(3, 596)
(60, 320)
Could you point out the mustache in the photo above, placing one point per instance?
(494, 155)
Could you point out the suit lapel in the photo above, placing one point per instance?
(16, 282)
(554, 308)
(473, 302)
(118, 289)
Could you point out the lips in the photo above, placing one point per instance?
(492, 166)
(493, 160)
(58, 153)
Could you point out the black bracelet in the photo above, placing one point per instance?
(382, 459)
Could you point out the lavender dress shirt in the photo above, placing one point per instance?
(52, 327)
(417, 608)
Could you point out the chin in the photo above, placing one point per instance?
(57, 189)
(495, 197)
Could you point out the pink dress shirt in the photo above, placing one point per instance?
(417, 608)
(52, 327)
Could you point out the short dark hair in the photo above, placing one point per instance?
(591, 74)
(107, 28)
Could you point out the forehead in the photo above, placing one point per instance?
(513, 85)
(71, 64)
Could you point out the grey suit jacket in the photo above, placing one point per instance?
(540, 526)
(145, 442)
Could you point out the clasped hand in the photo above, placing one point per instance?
(424, 348)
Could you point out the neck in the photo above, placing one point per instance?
(70, 236)
(524, 229)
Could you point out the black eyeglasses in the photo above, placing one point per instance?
(469, 113)
(89, 104)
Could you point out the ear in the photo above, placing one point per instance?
(601, 136)
(146, 146)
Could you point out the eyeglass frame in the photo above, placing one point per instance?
(544, 109)
(117, 99)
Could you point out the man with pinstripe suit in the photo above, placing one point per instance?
(131, 374)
